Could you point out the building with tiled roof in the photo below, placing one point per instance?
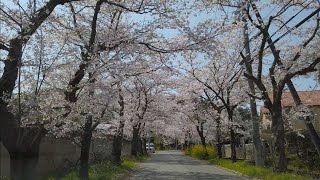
(309, 98)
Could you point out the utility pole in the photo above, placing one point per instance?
(259, 159)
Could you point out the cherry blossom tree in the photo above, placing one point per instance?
(286, 63)
(95, 45)
(21, 21)
(219, 72)
(143, 90)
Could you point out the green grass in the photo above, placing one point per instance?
(105, 170)
(256, 172)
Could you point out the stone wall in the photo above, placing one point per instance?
(58, 155)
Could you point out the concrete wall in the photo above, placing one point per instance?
(58, 155)
(4, 162)
(245, 152)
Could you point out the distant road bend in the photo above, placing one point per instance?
(174, 165)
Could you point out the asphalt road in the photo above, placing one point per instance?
(174, 165)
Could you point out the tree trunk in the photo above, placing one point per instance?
(219, 149)
(232, 136)
(85, 149)
(144, 148)
(135, 141)
(140, 146)
(233, 146)
(307, 121)
(117, 146)
(279, 157)
(117, 140)
(176, 140)
(10, 72)
(20, 148)
(202, 138)
(203, 141)
(258, 146)
(185, 144)
(244, 150)
(9, 127)
(116, 150)
(219, 144)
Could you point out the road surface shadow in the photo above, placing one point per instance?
(152, 175)
(178, 159)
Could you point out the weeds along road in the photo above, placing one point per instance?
(175, 165)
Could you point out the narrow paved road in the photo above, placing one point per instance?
(173, 165)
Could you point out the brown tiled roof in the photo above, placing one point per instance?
(309, 98)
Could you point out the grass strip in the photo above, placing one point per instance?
(105, 170)
(256, 172)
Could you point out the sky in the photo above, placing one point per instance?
(302, 83)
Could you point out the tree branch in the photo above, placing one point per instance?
(4, 47)
(37, 19)
(139, 9)
(310, 68)
(261, 87)
(11, 18)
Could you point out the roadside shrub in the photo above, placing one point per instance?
(301, 151)
(188, 151)
(200, 152)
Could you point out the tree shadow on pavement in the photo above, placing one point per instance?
(152, 175)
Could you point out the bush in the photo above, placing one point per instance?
(200, 152)
(188, 151)
(302, 154)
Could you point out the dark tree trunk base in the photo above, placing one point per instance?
(23, 146)
(233, 146)
(116, 150)
(135, 142)
(279, 157)
(219, 149)
(140, 147)
(85, 149)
